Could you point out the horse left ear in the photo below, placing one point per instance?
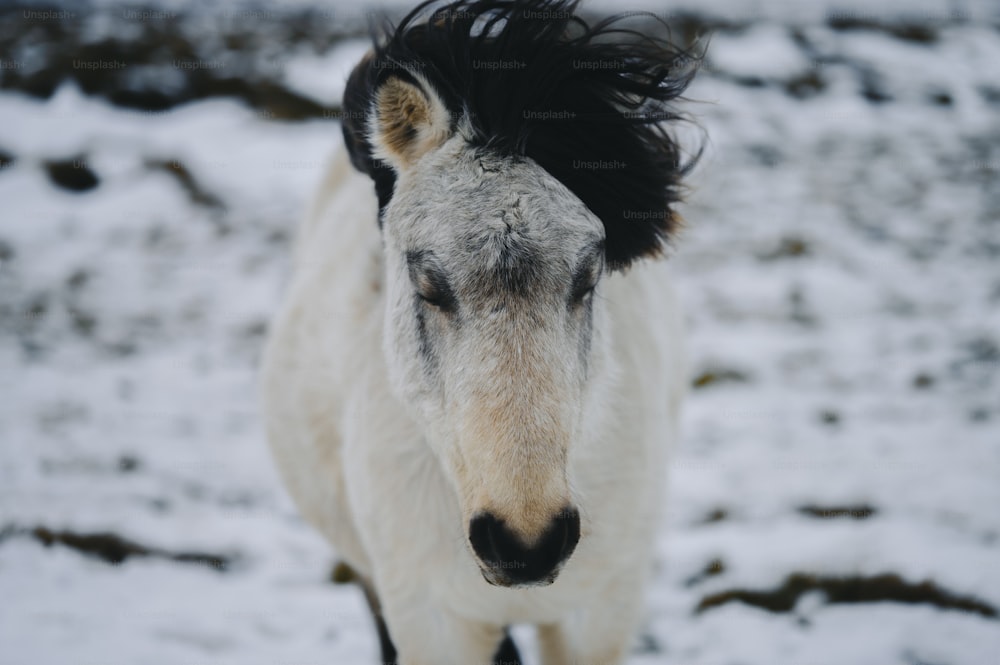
(409, 120)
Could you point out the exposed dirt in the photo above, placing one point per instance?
(114, 549)
(874, 589)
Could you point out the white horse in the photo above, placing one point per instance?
(474, 382)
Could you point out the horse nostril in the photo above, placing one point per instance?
(569, 519)
(481, 536)
(510, 560)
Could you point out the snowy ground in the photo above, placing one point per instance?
(835, 498)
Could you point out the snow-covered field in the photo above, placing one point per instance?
(836, 495)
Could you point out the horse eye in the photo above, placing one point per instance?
(436, 300)
(430, 284)
(586, 276)
(581, 294)
(583, 286)
(437, 294)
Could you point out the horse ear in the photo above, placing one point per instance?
(409, 120)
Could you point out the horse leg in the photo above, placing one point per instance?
(507, 653)
(385, 641)
(601, 634)
(558, 645)
(426, 634)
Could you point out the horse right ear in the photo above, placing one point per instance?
(391, 118)
(408, 119)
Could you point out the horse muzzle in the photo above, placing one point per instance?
(507, 559)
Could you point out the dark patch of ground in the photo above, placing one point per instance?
(712, 568)
(859, 512)
(719, 375)
(910, 31)
(874, 589)
(72, 174)
(194, 190)
(114, 549)
(158, 64)
(6, 159)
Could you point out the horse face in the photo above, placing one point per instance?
(499, 219)
(493, 337)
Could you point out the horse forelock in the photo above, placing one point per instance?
(527, 78)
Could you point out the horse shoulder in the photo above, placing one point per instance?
(326, 321)
(643, 407)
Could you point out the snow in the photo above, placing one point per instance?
(753, 10)
(764, 50)
(323, 77)
(841, 260)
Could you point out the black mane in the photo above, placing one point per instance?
(584, 102)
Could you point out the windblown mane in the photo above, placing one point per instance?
(587, 103)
